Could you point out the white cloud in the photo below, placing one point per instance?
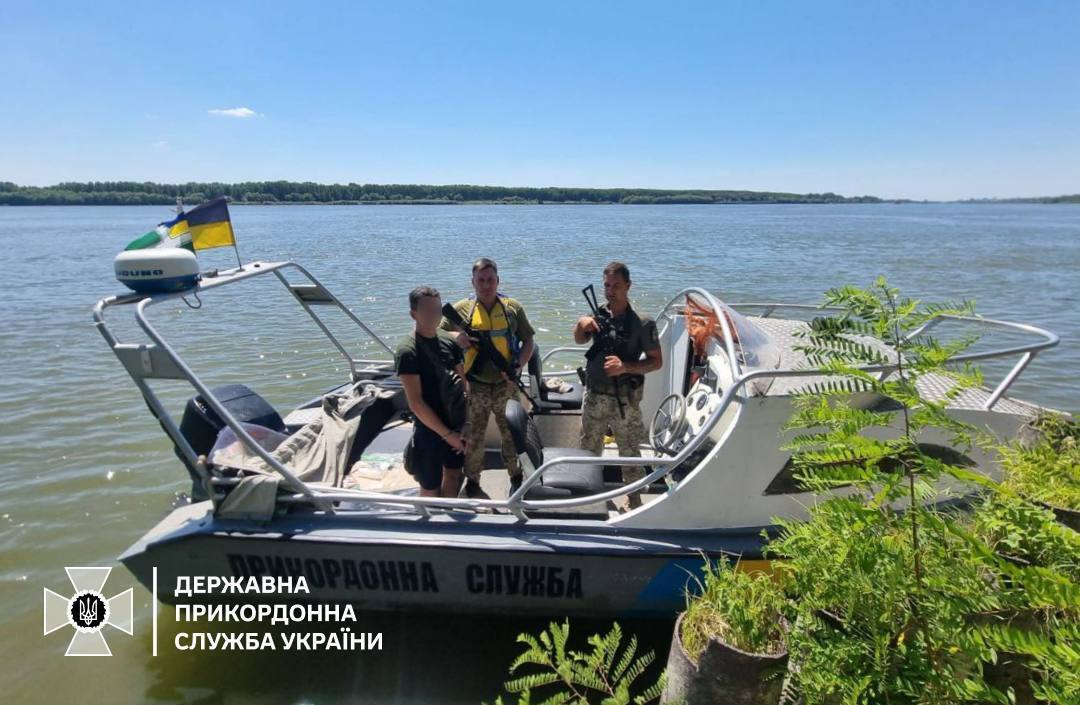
(159, 144)
(234, 112)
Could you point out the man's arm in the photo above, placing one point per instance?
(584, 329)
(650, 343)
(654, 357)
(525, 333)
(526, 353)
(420, 409)
(446, 325)
(463, 341)
(459, 370)
(654, 360)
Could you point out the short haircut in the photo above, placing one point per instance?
(485, 263)
(618, 267)
(420, 292)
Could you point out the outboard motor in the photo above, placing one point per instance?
(200, 424)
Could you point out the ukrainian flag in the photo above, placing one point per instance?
(164, 235)
(208, 225)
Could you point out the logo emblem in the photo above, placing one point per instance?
(88, 611)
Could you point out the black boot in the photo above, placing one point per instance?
(474, 491)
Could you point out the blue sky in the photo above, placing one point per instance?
(898, 99)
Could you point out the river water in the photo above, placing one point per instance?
(84, 470)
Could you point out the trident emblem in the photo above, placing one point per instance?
(87, 611)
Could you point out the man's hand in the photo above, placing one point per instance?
(613, 366)
(455, 441)
(464, 341)
(584, 329)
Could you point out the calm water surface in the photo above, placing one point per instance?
(84, 470)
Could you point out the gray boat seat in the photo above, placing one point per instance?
(560, 480)
(562, 401)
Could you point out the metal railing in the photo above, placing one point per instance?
(561, 350)
(161, 361)
(1027, 352)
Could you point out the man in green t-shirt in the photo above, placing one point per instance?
(427, 361)
(504, 320)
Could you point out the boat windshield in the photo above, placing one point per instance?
(755, 348)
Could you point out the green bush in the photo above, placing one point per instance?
(743, 609)
(1047, 470)
(899, 599)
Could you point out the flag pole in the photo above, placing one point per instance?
(239, 262)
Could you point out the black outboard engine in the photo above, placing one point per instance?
(200, 424)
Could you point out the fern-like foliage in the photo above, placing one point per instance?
(608, 673)
(877, 344)
(898, 599)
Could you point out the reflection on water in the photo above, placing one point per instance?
(84, 470)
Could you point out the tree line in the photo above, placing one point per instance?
(1068, 198)
(115, 193)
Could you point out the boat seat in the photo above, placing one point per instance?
(549, 398)
(560, 480)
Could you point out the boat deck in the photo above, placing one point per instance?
(381, 469)
(932, 386)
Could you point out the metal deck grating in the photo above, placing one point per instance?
(932, 386)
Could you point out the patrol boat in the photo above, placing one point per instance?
(716, 474)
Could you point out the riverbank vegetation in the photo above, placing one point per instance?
(118, 193)
(898, 593)
(1046, 469)
(1067, 198)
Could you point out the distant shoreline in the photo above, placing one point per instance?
(116, 193)
(426, 202)
(423, 202)
(125, 193)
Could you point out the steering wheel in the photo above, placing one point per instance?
(668, 428)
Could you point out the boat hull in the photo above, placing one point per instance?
(407, 564)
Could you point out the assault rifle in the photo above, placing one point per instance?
(486, 350)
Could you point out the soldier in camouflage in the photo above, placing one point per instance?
(637, 353)
(504, 320)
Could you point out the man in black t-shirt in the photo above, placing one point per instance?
(429, 364)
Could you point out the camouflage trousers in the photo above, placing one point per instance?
(486, 399)
(601, 412)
